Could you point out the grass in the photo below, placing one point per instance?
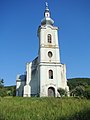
(18, 108)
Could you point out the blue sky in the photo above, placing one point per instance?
(19, 21)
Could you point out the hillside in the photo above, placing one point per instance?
(73, 82)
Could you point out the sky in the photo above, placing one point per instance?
(19, 21)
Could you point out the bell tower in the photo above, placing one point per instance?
(48, 40)
(52, 74)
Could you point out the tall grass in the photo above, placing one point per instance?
(44, 109)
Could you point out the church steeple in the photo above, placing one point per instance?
(47, 20)
(47, 12)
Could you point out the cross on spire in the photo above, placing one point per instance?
(46, 6)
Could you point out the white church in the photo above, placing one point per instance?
(45, 74)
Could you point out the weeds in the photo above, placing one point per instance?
(18, 108)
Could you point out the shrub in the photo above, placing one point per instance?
(62, 92)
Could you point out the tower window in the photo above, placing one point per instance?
(50, 74)
(50, 54)
(49, 38)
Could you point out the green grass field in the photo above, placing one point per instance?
(18, 108)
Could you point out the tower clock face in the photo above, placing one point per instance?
(50, 54)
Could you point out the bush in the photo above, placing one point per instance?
(87, 93)
(3, 92)
(62, 92)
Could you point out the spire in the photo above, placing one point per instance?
(47, 12)
(47, 20)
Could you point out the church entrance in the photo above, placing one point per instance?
(51, 92)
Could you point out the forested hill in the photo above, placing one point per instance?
(73, 82)
(79, 87)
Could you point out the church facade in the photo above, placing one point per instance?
(45, 74)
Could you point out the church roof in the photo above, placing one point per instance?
(47, 20)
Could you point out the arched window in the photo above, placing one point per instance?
(50, 74)
(49, 37)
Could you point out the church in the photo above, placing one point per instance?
(45, 74)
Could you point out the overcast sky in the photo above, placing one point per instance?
(19, 21)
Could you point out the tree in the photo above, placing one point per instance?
(11, 90)
(3, 92)
(1, 83)
(87, 92)
(2, 89)
(78, 91)
(79, 87)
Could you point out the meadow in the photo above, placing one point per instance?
(18, 108)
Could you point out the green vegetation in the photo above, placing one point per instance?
(78, 81)
(72, 108)
(6, 90)
(2, 89)
(17, 108)
(79, 87)
(62, 92)
(1, 82)
(10, 90)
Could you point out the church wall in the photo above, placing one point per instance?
(27, 88)
(28, 71)
(20, 88)
(34, 83)
(44, 55)
(63, 76)
(45, 82)
(31, 88)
